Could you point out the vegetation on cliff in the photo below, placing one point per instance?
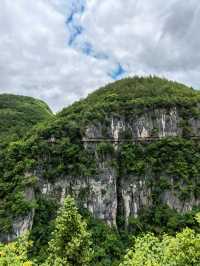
(133, 96)
(54, 149)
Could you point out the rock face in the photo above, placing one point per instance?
(135, 195)
(154, 123)
(21, 224)
(108, 194)
(97, 194)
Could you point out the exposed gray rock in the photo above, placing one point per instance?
(21, 224)
(170, 197)
(135, 195)
(158, 122)
(97, 194)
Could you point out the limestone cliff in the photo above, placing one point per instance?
(127, 147)
(101, 193)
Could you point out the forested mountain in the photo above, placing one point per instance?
(129, 154)
(18, 114)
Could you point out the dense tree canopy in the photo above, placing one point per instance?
(16, 253)
(71, 244)
(150, 250)
(18, 114)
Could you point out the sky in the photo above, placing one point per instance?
(61, 50)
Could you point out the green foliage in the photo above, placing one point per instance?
(104, 149)
(161, 219)
(18, 114)
(57, 152)
(43, 225)
(14, 184)
(149, 250)
(170, 163)
(132, 96)
(15, 253)
(107, 244)
(132, 159)
(70, 243)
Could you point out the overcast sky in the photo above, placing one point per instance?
(60, 50)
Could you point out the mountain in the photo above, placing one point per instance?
(128, 153)
(18, 114)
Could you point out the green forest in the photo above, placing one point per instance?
(39, 147)
(73, 243)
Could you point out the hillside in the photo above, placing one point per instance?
(128, 154)
(132, 95)
(18, 114)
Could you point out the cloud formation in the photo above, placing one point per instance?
(60, 50)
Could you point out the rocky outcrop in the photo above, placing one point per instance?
(97, 193)
(153, 123)
(135, 195)
(22, 223)
(134, 192)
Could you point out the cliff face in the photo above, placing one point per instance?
(157, 123)
(112, 192)
(117, 165)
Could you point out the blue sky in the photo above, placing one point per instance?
(61, 50)
(77, 9)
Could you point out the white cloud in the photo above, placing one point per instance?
(142, 36)
(35, 58)
(152, 36)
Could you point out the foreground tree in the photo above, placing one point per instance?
(15, 253)
(181, 250)
(70, 243)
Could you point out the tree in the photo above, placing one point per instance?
(181, 250)
(70, 243)
(15, 253)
